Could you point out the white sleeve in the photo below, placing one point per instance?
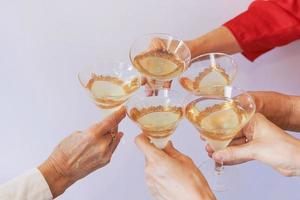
(30, 186)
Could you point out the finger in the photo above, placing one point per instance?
(171, 151)
(238, 141)
(144, 80)
(114, 144)
(202, 137)
(149, 90)
(114, 130)
(150, 151)
(234, 154)
(167, 84)
(105, 142)
(209, 149)
(108, 123)
(240, 134)
(157, 43)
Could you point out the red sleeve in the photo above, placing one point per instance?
(265, 25)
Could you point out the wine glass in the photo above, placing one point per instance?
(109, 84)
(207, 71)
(157, 115)
(219, 118)
(160, 58)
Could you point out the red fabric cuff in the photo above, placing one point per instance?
(263, 26)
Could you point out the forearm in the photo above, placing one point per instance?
(282, 110)
(219, 40)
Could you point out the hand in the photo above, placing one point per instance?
(82, 153)
(282, 110)
(172, 175)
(266, 143)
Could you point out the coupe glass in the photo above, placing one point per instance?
(207, 71)
(219, 118)
(109, 84)
(157, 115)
(160, 58)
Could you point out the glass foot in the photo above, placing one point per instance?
(222, 180)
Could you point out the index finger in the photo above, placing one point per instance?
(110, 122)
(150, 151)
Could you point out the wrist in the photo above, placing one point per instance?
(55, 180)
(192, 47)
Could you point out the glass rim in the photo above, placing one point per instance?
(119, 63)
(105, 62)
(195, 60)
(177, 93)
(207, 97)
(159, 89)
(242, 91)
(158, 34)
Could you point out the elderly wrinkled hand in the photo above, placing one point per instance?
(263, 141)
(172, 175)
(82, 153)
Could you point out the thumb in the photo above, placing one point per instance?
(171, 151)
(234, 154)
(149, 150)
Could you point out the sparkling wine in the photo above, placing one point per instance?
(110, 92)
(157, 121)
(206, 80)
(159, 64)
(218, 121)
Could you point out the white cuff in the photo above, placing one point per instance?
(29, 186)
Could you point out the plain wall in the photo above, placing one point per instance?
(43, 44)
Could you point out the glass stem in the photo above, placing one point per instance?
(219, 168)
(156, 84)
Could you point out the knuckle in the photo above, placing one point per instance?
(93, 138)
(102, 147)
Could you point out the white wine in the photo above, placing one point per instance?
(157, 121)
(110, 92)
(159, 64)
(204, 83)
(218, 123)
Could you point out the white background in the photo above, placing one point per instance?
(43, 44)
